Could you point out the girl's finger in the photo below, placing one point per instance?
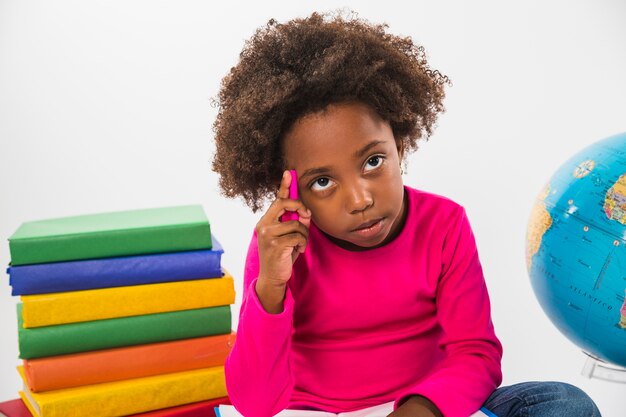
(287, 228)
(293, 240)
(285, 182)
(292, 205)
(303, 211)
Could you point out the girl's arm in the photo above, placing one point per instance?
(460, 384)
(258, 373)
(258, 376)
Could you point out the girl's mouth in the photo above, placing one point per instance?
(371, 230)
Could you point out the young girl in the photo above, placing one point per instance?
(376, 294)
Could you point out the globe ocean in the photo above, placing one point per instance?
(576, 249)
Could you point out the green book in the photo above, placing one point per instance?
(106, 235)
(136, 330)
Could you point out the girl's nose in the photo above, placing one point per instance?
(359, 198)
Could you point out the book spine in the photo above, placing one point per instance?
(81, 306)
(88, 368)
(133, 396)
(114, 272)
(108, 244)
(125, 331)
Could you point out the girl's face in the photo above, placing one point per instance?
(348, 167)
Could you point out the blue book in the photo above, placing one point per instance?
(116, 272)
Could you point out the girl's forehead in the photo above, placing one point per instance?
(340, 131)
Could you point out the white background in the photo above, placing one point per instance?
(105, 105)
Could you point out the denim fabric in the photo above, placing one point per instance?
(541, 399)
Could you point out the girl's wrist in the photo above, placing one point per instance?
(271, 295)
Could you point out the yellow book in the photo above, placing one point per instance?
(89, 305)
(131, 396)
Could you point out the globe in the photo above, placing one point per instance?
(576, 249)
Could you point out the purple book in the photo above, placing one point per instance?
(116, 272)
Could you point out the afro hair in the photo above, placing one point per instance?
(293, 69)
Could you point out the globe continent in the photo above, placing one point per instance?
(576, 249)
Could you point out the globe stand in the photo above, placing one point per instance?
(597, 368)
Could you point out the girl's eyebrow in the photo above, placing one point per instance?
(314, 171)
(357, 154)
(363, 150)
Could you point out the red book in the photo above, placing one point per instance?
(201, 409)
(16, 408)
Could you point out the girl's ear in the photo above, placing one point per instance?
(400, 147)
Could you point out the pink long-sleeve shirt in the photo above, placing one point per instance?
(364, 328)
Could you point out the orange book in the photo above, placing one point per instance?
(95, 367)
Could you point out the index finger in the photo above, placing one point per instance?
(285, 182)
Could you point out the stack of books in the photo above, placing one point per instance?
(122, 313)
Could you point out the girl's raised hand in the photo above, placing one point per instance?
(279, 244)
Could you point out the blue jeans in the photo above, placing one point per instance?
(541, 399)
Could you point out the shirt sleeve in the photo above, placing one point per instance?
(461, 383)
(259, 379)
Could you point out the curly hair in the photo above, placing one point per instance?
(290, 70)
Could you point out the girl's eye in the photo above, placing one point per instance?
(321, 184)
(374, 162)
